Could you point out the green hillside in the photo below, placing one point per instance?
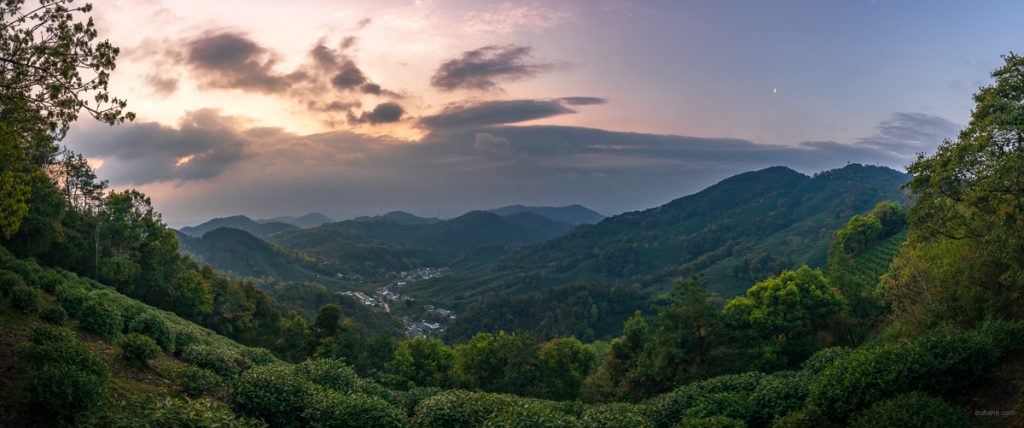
(573, 215)
(736, 233)
(239, 253)
(240, 222)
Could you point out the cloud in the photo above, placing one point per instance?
(162, 86)
(382, 113)
(472, 161)
(202, 147)
(483, 68)
(583, 101)
(494, 113)
(906, 134)
(233, 61)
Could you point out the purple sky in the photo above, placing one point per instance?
(436, 107)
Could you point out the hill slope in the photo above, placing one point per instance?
(239, 253)
(238, 222)
(738, 231)
(307, 221)
(573, 215)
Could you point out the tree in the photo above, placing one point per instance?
(784, 319)
(964, 260)
(328, 320)
(51, 62)
(563, 364)
(499, 362)
(420, 362)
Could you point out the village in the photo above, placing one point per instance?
(434, 319)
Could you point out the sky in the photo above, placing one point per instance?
(436, 107)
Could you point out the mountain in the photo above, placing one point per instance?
(573, 215)
(736, 232)
(307, 221)
(239, 222)
(239, 253)
(378, 245)
(400, 217)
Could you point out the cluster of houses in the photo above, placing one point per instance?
(434, 319)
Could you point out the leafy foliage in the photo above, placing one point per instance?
(911, 410)
(138, 349)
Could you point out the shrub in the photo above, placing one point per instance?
(531, 413)
(457, 408)
(824, 358)
(9, 280)
(733, 405)
(43, 334)
(25, 269)
(777, 395)
(960, 358)
(72, 297)
(807, 417)
(415, 396)
(667, 409)
(1007, 336)
(328, 408)
(64, 377)
(138, 349)
(369, 387)
(869, 375)
(272, 393)
(615, 415)
(196, 381)
(54, 314)
(914, 409)
(132, 311)
(332, 374)
(63, 391)
(222, 361)
(101, 317)
(153, 325)
(175, 412)
(185, 336)
(258, 356)
(25, 299)
(48, 280)
(712, 422)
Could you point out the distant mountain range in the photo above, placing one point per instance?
(240, 222)
(307, 221)
(736, 232)
(573, 215)
(400, 217)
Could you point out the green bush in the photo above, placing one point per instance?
(185, 336)
(333, 374)
(369, 387)
(667, 409)
(43, 334)
(222, 361)
(258, 356)
(1007, 336)
(824, 358)
(25, 299)
(531, 413)
(175, 412)
(101, 317)
(458, 408)
(914, 410)
(327, 408)
(868, 375)
(9, 280)
(138, 349)
(415, 396)
(734, 405)
(961, 358)
(64, 378)
(131, 312)
(197, 381)
(777, 395)
(72, 296)
(712, 422)
(25, 269)
(153, 325)
(272, 393)
(54, 314)
(49, 279)
(807, 417)
(615, 415)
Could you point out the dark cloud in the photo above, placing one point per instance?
(363, 23)
(162, 85)
(383, 113)
(482, 69)
(910, 133)
(494, 113)
(583, 101)
(234, 61)
(202, 147)
(348, 76)
(334, 106)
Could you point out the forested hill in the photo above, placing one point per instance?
(574, 215)
(739, 231)
(238, 222)
(239, 253)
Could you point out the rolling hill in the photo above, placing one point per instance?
(238, 222)
(239, 253)
(400, 217)
(735, 233)
(307, 221)
(573, 215)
